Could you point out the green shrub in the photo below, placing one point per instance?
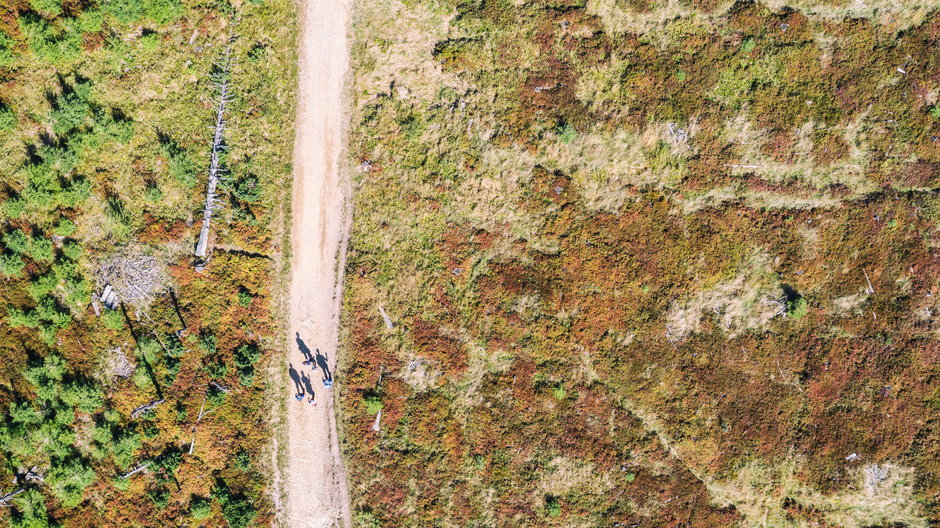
(207, 343)
(366, 519)
(172, 366)
(552, 507)
(935, 111)
(77, 293)
(373, 403)
(50, 8)
(245, 357)
(124, 449)
(72, 250)
(41, 249)
(174, 347)
(180, 166)
(797, 308)
(83, 396)
(245, 297)
(6, 58)
(68, 479)
(119, 219)
(214, 396)
(237, 510)
(125, 11)
(42, 286)
(113, 319)
(51, 44)
(20, 318)
(11, 265)
(72, 111)
(47, 316)
(152, 193)
(7, 117)
(566, 133)
(217, 368)
(748, 45)
(200, 508)
(64, 228)
(29, 510)
(141, 378)
(103, 434)
(160, 497)
(122, 484)
(165, 465)
(90, 21)
(243, 461)
(16, 241)
(248, 189)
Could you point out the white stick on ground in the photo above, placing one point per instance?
(870, 289)
(386, 318)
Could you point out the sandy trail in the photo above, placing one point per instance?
(314, 480)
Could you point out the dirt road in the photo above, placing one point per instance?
(314, 480)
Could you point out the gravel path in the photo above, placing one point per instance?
(315, 481)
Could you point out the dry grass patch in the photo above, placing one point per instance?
(749, 300)
(883, 494)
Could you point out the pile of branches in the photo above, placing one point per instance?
(135, 278)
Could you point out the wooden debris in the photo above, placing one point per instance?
(378, 418)
(33, 475)
(117, 364)
(109, 297)
(677, 134)
(131, 278)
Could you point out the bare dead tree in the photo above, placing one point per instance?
(202, 414)
(221, 84)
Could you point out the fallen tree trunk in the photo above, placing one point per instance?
(214, 170)
(144, 408)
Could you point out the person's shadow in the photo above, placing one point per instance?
(306, 383)
(304, 349)
(321, 361)
(296, 378)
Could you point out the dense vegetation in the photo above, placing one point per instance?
(648, 263)
(105, 115)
